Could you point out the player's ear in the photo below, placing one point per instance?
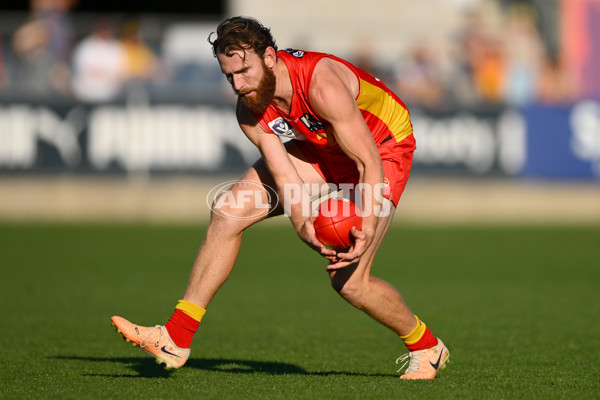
(270, 57)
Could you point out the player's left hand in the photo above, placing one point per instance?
(361, 242)
(307, 234)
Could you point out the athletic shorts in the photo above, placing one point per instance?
(338, 168)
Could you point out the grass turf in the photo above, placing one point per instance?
(518, 309)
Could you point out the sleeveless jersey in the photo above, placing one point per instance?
(385, 114)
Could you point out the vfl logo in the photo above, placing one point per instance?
(295, 53)
(280, 127)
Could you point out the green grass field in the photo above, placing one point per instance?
(518, 308)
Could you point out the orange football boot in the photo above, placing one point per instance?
(154, 341)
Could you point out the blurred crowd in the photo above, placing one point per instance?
(47, 58)
(509, 64)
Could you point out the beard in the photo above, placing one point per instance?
(263, 94)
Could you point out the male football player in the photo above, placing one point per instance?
(347, 128)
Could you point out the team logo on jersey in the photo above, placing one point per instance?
(295, 53)
(311, 122)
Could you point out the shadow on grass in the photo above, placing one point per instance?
(146, 368)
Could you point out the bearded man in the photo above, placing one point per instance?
(346, 128)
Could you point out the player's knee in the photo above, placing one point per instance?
(226, 218)
(238, 208)
(351, 289)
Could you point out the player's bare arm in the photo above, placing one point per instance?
(332, 94)
(283, 172)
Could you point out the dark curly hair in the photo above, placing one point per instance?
(241, 33)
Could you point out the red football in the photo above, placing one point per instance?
(336, 217)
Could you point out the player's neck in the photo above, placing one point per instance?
(283, 89)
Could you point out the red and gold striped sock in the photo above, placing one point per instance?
(420, 338)
(184, 323)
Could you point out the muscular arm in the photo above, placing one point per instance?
(332, 93)
(284, 173)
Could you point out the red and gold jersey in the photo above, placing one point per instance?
(385, 114)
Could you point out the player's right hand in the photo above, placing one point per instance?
(353, 254)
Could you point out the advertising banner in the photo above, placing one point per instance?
(535, 142)
(563, 142)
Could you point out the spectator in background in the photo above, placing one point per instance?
(481, 57)
(418, 79)
(42, 46)
(465, 52)
(141, 64)
(525, 56)
(488, 66)
(99, 65)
